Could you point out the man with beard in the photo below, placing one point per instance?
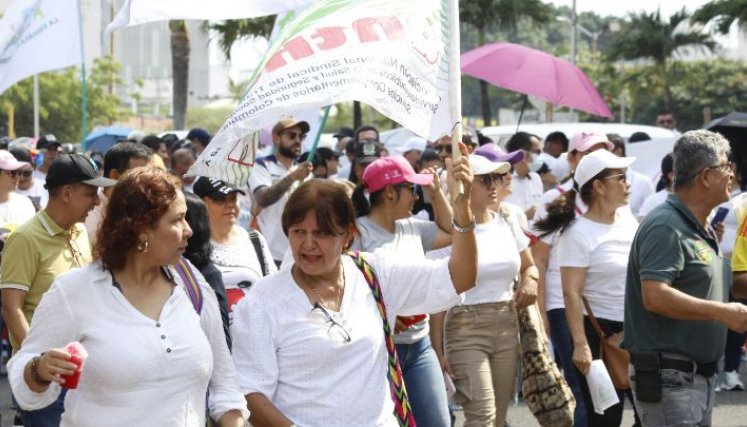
(276, 176)
(51, 243)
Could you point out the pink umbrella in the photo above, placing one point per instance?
(536, 73)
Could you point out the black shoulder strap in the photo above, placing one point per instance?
(254, 237)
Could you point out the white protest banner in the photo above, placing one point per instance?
(390, 54)
(135, 12)
(38, 36)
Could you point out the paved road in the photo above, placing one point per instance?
(730, 410)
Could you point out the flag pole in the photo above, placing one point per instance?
(323, 123)
(84, 95)
(36, 106)
(455, 86)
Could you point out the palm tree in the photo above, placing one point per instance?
(230, 31)
(647, 36)
(723, 13)
(179, 70)
(483, 14)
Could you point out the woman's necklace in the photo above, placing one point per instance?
(304, 284)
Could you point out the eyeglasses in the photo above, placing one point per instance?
(294, 135)
(493, 178)
(12, 174)
(336, 331)
(620, 177)
(725, 167)
(445, 147)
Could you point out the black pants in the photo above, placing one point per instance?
(612, 417)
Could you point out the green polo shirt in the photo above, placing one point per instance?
(671, 247)
(36, 253)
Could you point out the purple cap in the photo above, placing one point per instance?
(494, 153)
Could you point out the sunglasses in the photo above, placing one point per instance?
(440, 148)
(294, 135)
(493, 178)
(410, 187)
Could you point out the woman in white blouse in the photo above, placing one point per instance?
(593, 258)
(151, 357)
(234, 254)
(309, 342)
(481, 335)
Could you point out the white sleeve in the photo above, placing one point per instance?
(260, 177)
(53, 326)
(411, 288)
(224, 390)
(254, 347)
(573, 249)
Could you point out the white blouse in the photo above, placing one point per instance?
(137, 368)
(288, 351)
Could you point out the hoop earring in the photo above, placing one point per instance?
(143, 246)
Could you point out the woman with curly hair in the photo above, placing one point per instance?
(151, 356)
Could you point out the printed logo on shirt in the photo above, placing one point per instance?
(703, 252)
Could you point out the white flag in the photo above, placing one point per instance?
(135, 12)
(390, 54)
(38, 36)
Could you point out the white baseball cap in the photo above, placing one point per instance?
(413, 143)
(593, 163)
(482, 166)
(9, 163)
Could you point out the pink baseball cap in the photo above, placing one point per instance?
(9, 163)
(390, 171)
(585, 140)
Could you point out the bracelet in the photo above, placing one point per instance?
(35, 372)
(467, 229)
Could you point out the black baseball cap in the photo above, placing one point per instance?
(47, 142)
(367, 151)
(328, 153)
(344, 132)
(213, 188)
(75, 168)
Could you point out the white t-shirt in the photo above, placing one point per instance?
(137, 368)
(498, 260)
(286, 350)
(17, 210)
(652, 201)
(410, 240)
(527, 191)
(36, 192)
(266, 174)
(641, 188)
(603, 249)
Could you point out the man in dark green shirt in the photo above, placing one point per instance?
(678, 283)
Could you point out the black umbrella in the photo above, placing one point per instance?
(733, 126)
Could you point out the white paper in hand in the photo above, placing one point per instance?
(602, 391)
(450, 388)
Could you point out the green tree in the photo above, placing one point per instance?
(60, 101)
(234, 30)
(505, 14)
(649, 37)
(723, 13)
(180, 70)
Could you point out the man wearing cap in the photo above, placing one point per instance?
(15, 209)
(48, 245)
(677, 290)
(275, 176)
(200, 138)
(331, 160)
(412, 149)
(28, 185)
(118, 159)
(51, 149)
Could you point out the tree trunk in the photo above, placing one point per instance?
(180, 70)
(484, 96)
(357, 115)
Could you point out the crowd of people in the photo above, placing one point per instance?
(362, 286)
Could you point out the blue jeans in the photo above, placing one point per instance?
(45, 417)
(425, 383)
(563, 345)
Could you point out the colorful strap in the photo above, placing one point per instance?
(190, 284)
(402, 409)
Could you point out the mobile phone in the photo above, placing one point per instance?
(719, 216)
